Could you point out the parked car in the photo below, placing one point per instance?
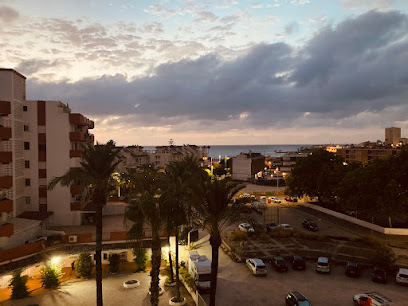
(246, 227)
(290, 199)
(295, 298)
(379, 275)
(298, 263)
(310, 225)
(270, 227)
(371, 298)
(402, 276)
(352, 269)
(279, 264)
(256, 266)
(323, 265)
(285, 226)
(275, 200)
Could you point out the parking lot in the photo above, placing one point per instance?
(237, 286)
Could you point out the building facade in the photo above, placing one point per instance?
(40, 140)
(246, 165)
(392, 136)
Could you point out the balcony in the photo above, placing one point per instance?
(75, 153)
(42, 191)
(6, 157)
(75, 189)
(91, 124)
(6, 230)
(81, 137)
(6, 182)
(6, 206)
(42, 173)
(42, 156)
(5, 108)
(75, 206)
(5, 133)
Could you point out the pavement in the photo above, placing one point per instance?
(83, 293)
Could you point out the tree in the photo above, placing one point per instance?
(114, 261)
(215, 212)
(140, 258)
(180, 179)
(97, 166)
(84, 265)
(18, 284)
(50, 275)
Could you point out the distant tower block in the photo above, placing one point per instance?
(392, 135)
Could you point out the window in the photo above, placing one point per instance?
(25, 128)
(26, 145)
(105, 256)
(25, 108)
(27, 182)
(28, 200)
(27, 164)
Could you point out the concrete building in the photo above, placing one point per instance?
(246, 165)
(163, 155)
(289, 160)
(392, 136)
(39, 141)
(365, 155)
(133, 157)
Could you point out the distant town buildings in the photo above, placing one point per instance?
(39, 141)
(392, 136)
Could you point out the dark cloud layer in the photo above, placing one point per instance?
(361, 65)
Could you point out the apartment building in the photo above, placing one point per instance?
(364, 155)
(246, 165)
(133, 157)
(392, 136)
(40, 140)
(289, 160)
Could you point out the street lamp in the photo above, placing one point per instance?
(277, 179)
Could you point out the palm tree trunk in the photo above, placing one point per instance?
(170, 261)
(215, 244)
(98, 255)
(177, 269)
(156, 261)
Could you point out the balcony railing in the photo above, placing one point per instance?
(81, 137)
(6, 206)
(42, 156)
(75, 189)
(42, 192)
(6, 157)
(5, 133)
(77, 205)
(6, 181)
(5, 108)
(75, 153)
(80, 120)
(6, 230)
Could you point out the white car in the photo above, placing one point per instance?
(274, 200)
(256, 266)
(374, 298)
(246, 227)
(285, 226)
(402, 276)
(323, 265)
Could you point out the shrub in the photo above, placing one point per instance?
(84, 265)
(140, 258)
(50, 276)
(114, 260)
(187, 278)
(383, 254)
(18, 285)
(263, 236)
(281, 233)
(238, 236)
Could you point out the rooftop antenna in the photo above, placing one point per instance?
(171, 142)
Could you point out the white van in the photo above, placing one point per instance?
(402, 276)
(323, 265)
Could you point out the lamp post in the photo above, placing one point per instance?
(277, 179)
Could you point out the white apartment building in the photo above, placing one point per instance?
(39, 141)
(392, 136)
(246, 165)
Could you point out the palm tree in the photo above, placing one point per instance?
(145, 208)
(180, 178)
(215, 212)
(97, 166)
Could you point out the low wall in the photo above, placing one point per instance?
(374, 227)
(21, 251)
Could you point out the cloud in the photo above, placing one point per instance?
(7, 14)
(366, 4)
(346, 75)
(291, 28)
(205, 16)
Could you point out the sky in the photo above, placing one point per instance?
(216, 72)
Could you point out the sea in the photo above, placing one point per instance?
(216, 151)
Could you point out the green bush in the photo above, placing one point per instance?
(140, 258)
(114, 261)
(84, 265)
(18, 285)
(187, 278)
(238, 236)
(383, 254)
(50, 276)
